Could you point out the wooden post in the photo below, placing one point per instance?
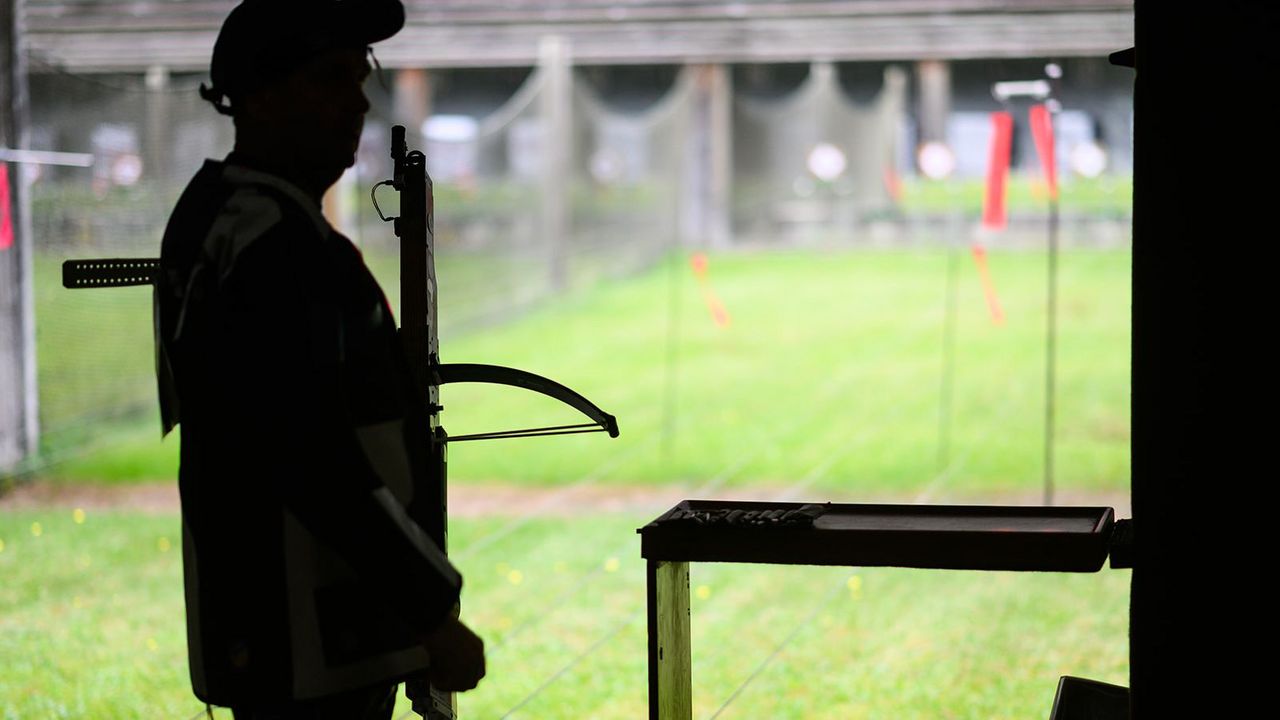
(411, 104)
(19, 428)
(670, 659)
(933, 100)
(158, 143)
(556, 120)
(712, 154)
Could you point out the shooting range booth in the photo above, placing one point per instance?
(1199, 315)
(1197, 371)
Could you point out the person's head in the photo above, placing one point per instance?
(291, 74)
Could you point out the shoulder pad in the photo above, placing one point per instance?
(247, 215)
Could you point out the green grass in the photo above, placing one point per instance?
(93, 349)
(91, 625)
(88, 621)
(826, 381)
(1108, 196)
(829, 373)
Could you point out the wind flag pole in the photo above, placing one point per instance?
(1041, 121)
(937, 162)
(947, 381)
(34, 157)
(1042, 132)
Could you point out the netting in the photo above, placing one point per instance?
(486, 172)
(814, 161)
(146, 137)
(620, 180)
(632, 176)
(561, 179)
(499, 251)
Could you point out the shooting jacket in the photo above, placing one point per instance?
(277, 352)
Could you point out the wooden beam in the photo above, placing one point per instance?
(677, 40)
(70, 16)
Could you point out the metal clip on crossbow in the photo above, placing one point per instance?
(419, 337)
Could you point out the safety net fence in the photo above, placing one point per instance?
(514, 225)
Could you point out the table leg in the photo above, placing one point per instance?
(670, 665)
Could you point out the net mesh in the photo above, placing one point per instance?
(486, 173)
(566, 178)
(630, 178)
(146, 136)
(495, 254)
(814, 161)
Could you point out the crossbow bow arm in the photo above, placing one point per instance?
(500, 375)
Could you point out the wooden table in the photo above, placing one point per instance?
(952, 537)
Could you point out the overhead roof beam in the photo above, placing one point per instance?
(753, 37)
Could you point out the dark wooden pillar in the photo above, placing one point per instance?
(1203, 367)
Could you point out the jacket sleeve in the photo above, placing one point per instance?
(284, 330)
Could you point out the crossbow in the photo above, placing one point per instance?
(421, 344)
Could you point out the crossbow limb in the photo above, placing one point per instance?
(601, 421)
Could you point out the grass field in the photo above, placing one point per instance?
(91, 627)
(829, 358)
(826, 383)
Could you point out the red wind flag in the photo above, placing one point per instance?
(892, 183)
(719, 314)
(988, 286)
(1042, 133)
(993, 210)
(6, 217)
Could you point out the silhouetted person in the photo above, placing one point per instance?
(310, 593)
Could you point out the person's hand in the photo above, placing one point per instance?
(457, 656)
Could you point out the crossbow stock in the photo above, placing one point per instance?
(420, 339)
